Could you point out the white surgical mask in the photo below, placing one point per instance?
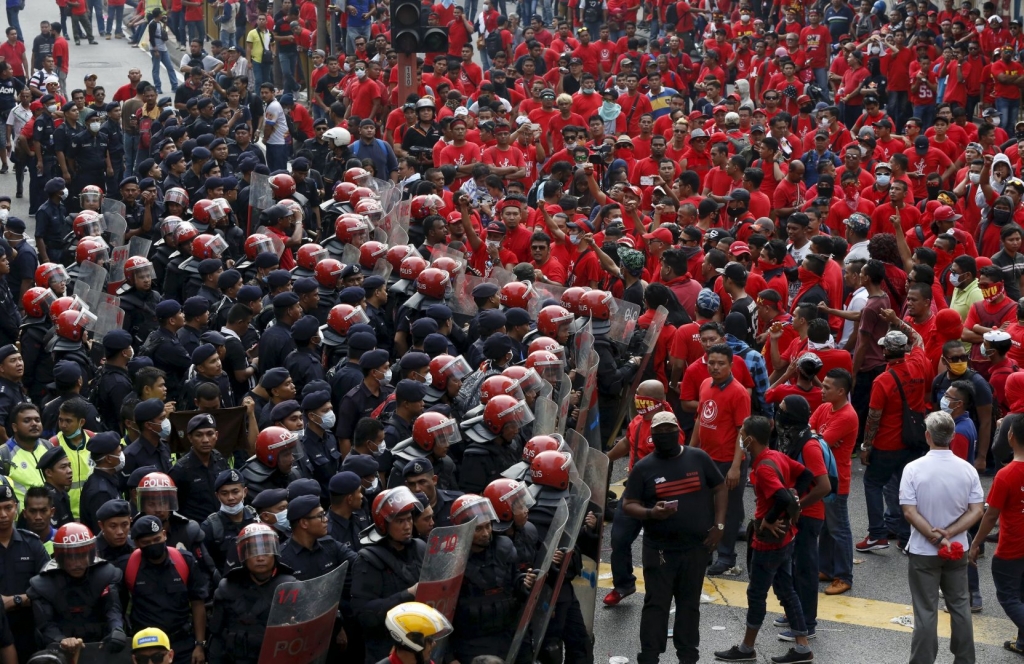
(120, 462)
(64, 193)
(52, 108)
(493, 244)
(744, 17)
(94, 127)
(954, 279)
(874, 50)
(361, 73)
(165, 429)
(574, 238)
(944, 405)
(282, 519)
(232, 510)
(587, 91)
(883, 180)
(4, 213)
(979, 28)
(328, 420)
(975, 178)
(995, 121)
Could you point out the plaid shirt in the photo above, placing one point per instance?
(758, 371)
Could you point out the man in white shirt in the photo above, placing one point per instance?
(275, 129)
(942, 498)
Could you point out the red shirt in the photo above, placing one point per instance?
(720, 412)
(1006, 496)
(584, 269)
(934, 161)
(914, 374)
(839, 429)
(788, 195)
(686, 343)
(818, 43)
(553, 270)
(767, 482)
(1002, 90)
(780, 392)
(13, 55)
(363, 93)
(814, 461)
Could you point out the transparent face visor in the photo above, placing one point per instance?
(88, 227)
(290, 441)
(518, 499)
(531, 382)
(263, 245)
(184, 230)
(223, 205)
(162, 499)
(398, 501)
(142, 271)
(77, 304)
(45, 299)
(373, 212)
(215, 212)
(318, 256)
(359, 235)
(90, 197)
(477, 511)
(515, 390)
(83, 553)
(170, 224)
(217, 245)
(56, 273)
(175, 195)
(458, 368)
(86, 319)
(446, 432)
(260, 544)
(99, 254)
(556, 349)
(518, 414)
(357, 316)
(550, 371)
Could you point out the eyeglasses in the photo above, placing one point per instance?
(771, 98)
(958, 358)
(322, 516)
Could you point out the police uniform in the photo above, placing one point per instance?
(241, 608)
(174, 277)
(90, 153)
(22, 558)
(383, 328)
(113, 385)
(381, 578)
(160, 255)
(190, 338)
(195, 482)
(347, 376)
(42, 134)
(221, 533)
(275, 345)
(65, 608)
(260, 477)
(33, 344)
(326, 553)
(303, 364)
(62, 512)
(74, 351)
(223, 383)
(142, 453)
(115, 147)
(101, 486)
(169, 355)
(139, 313)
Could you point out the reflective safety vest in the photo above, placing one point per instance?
(81, 467)
(19, 465)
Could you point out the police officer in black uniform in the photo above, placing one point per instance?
(209, 270)
(12, 392)
(52, 226)
(318, 442)
(115, 143)
(33, 334)
(57, 478)
(103, 484)
(208, 369)
(409, 405)
(68, 381)
(363, 399)
(276, 342)
(90, 150)
(197, 312)
(139, 300)
(311, 552)
(420, 477)
(347, 516)
(22, 556)
(163, 346)
(347, 373)
(112, 383)
(221, 527)
(196, 472)
(303, 363)
(150, 448)
(168, 589)
(113, 542)
(229, 283)
(10, 317)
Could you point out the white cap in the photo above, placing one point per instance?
(995, 336)
(50, 79)
(664, 417)
(461, 111)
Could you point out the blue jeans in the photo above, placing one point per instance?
(768, 570)
(96, 6)
(228, 38)
(896, 107)
(884, 465)
(131, 153)
(821, 80)
(625, 530)
(893, 511)
(196, 30)
(926, 114)
(115, 14)
(12, 21)
(176, 23)
(835, 544)
(288, 61)
(137, 33)
(525, 9)
(1008, 110)
(352, 33)
(1008, 577)
(165, 58)
(262, 72)
(277, 157)
(805, 567)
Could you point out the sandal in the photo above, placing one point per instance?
(1013, 647)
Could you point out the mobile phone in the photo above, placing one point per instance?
(671, 504)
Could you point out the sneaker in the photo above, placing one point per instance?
(782, 622)
(119, 36)
(789, 635)
(614, 597)
(794, 657)
(108, 37)
(734, 654)
(78, 42)
(869, 544)
(904, 547)
(720, 569)
(837, 587)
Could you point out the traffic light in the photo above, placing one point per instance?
(409, 32)
(405, 25)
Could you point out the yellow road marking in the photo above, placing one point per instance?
(844, 608)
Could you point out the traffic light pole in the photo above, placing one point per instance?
(407, 77)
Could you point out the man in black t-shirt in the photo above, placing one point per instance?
(324, 97)
(681, 497)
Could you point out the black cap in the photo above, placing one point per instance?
(113, 509)
(51, 457)
(344, 483)
(201, 421)
(229, 476)
(301, 507)
(145, 526)
(148, 410)
(303, 487)
(417, 467)
(269, 498)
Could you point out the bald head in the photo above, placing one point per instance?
(651, 388)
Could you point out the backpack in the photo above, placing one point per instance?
(592, 11)
(493, 43)
(135, 561)
(145, 128)
(7, 450)
(830, 469)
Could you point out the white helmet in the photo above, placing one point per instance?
(412, 623)
(339, 136)
(425, 102)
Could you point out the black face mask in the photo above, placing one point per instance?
(734, 212)
(154, 551)
(825, 192)
(666, 445)
(933, 192)
(807, 110)
(1000, 217)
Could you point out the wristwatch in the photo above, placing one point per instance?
(720, 526)
(17, 600)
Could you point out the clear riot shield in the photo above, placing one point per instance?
(109, 316)
(350, 255)
(564, 401)
(595, 476)
(549, 294)
(623, 320)
(578, 501)
(397, 236)
(462, 304)
(582, 343)
(261, 196)
(302, 619)
(116, 227)
(380, 235)
(115, 266)
(94, 277)
(99, 653)
(578, 448)
(139, 246)
(501, 276)
(650, 339)
(545, 414)
(114, 206)
(382, 269)
(443, 567)
(588, 422)
(545, 553)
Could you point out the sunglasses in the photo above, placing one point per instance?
(150, 659)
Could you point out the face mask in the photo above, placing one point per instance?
(1000, 217)
(165, 429)
(387, 379)
(883, 180)
(380, 450)
(850, 191)
(232, 510)
(608, 105)
(803, 274)
(154, 551)
(944, 405)
(823, 122)
(874, 50)
(765, 265)
(493, 244)
(958, 368)
(992, 292)
(735, 212)
(954, 279)
(645, 405)
(570, 146)
(980, 28)
(574, 239)
(806, 110)
(328, 420)
(4, 213)
(863, 151)
(64, 193)
(975, 178)
(120, 462)
(282, 519)
(360, 73)
(75, 434)
(52, 108)
(587, 91)
(666, 445)
(94, 127)
(933, 193)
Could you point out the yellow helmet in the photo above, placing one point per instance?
(412, 623)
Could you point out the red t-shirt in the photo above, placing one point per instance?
(13, 56)
(1003, 90)
(766, 482)
(363, 93)
(584, 269)
(1006, 496)
(814, 461)
(914, 373)
(720, 412)
(780, 392)
(839, 429)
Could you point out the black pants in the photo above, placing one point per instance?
(567, 625)
(861, 397)
(672, 575)
(733, 515)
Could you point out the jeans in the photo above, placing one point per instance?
(884, 465)
(926, 114)
(835, 544)
(927, 575)
(1008, 577)
(262, 72)
(733, 515)
(768, 570)
(1008, 110)
(13, 22)
(851, 113)
(289, 61)
(96, 6)
(196, 30)
(352, 33)
(821, 80)
(115, 14)
(176, 23)
(893, 511)
(228, 38)
(625, 530)
(896, 106)
(277, 157)
(131, 152)
(669, 575)
(860, 397)
(805, 567)
(470, 9)
(525, 9)
(972, 105)
(165, 58)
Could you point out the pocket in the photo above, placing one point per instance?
(651, 558)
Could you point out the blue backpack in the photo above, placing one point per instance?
(830, 468)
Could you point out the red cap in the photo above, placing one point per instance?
(663, 234)
(36, 106)
(739, 248)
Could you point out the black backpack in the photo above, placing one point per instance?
(493, 43)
